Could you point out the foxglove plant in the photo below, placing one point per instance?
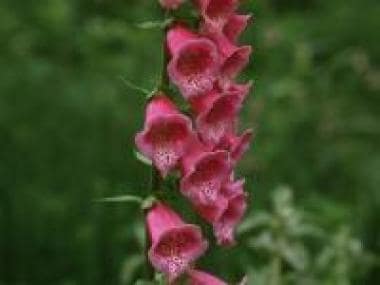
(199, 148)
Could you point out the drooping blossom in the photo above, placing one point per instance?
(224, 228)
(194, 62)
(236, 145)
(171, 4)
(204, 173)
(175, 245)
(165, 135)
(219, 117)
(235, 25)
(216, 12)
(233, 57)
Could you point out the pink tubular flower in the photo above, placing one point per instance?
(204, 178)
(237, 203)
(165, 135)
(220, 117)
(236, 145)
(175, 245)
(233, 58)
(235, 25)
(197, 277)
(194, 63)
(216, 12)
(171, 4)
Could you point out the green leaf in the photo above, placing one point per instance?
(148, 202)
(122, 199)
(135, 87)
(148, 25)
(142, 158)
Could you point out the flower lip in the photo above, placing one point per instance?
(164, 139)
(203, 181)
(236, 61)
(225, 227)
(176, 249)
(219, 120)
(235, 25)
(193, 67)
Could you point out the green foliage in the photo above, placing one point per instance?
(67, 122)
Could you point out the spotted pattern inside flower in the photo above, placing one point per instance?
(165, 156)
(175, 251)
(215, 132)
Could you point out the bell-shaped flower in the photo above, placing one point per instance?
(204, 177)
(220, 117)
(165, 135)
(224, 228)
(194, 62)
(235, 25)
(171, 4)
(233, 58)
(175, 245)
(236, 145)
(216, 12)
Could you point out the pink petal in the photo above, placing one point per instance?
(194, 64)
(237, 145)
(224, 228)
(171, 4)
(175, 245)
(235, 25)
(219, 120)
(236, 62)
(203, 278)
(233, 58)
(200, 104)
(161, 218)
(165, 135)
(178, 36)
(202, 184)
(216, 12)
(211, 213)
(158, 106)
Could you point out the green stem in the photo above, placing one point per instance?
(156, 179)
(276, 270)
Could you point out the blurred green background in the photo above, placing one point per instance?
(67, 123)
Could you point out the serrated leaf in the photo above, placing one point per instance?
(143, 159)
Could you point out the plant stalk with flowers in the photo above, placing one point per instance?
(203, 145)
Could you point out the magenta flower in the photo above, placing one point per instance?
(171, 4)
(219, 117)
(165, 135)
(216, 12)
(175, 245)
(197, 277)
(202, 182)
(236, 145)
(194, 63)
(237, 203)
(235, 25)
